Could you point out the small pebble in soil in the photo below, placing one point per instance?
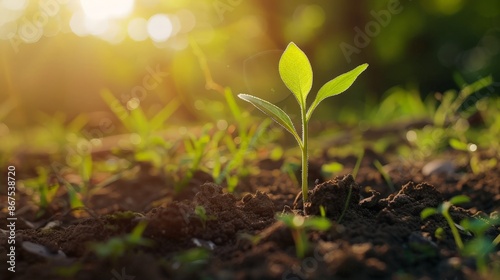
(438, 166)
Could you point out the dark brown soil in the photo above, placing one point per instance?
(381, 235)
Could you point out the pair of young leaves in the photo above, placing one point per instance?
(296, 72)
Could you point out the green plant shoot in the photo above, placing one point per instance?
(443, 209)
(299, 225)
(296, 72)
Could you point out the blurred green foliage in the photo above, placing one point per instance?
(418, 43)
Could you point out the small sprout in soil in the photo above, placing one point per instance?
(195, 149)
(148, 145)
(70, 271)
(44, 187)
(480, 246)
(191, 260)
(322, 211)
(477, 165)
(384, 174)
(443, 209)
(300, 225)
(296, 72)
(328, 170)
(117, 246)
(440, 234)
(202, 214)
(453, 105)
(247, 135)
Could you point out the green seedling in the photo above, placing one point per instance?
(45, 188)
(86, 174)
(399, 103)
(74, 194)
(56, 132)
(191, 259)
(247, 136)
(452, 103)
(296, 72)
(201, 212)
(299, 225)
(68, 271)
(117, 246)
(195, 149)
(440, 234)
(239, 146)
(329, 169)
(477, 165)
(235, 167)
(443, 209)
(148, 145)
(384, 174)
(480, 246)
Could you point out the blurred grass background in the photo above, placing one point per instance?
(58, 55)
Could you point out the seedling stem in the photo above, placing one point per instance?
(296, 72)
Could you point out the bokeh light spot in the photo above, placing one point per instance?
(109, 9)
(313, 16)
(77, 24)
(187, 20)
(14, 5)
(472, 147)
(133, 103)
(411, 136)
(135, 139)
(96, 27)
(222, 124)
(159, 27)
(137, 29)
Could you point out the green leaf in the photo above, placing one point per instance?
(118, 109)
(161, 117)
(440, 234)
(458, 145)
(427, 212)
(296, 72)
(318, 223)
(74, 200)
(274, 112)
(136, 234)
(331, 168)
(459, 199)
(336, 86)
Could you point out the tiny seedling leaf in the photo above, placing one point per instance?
(86, 167)
(318, 223)
(427, 212)
(274, 112)
(135, 236)
(458, 145)
(336, 86)
(296, 72)
(459, 199)
(332, 168)
(164, 114)
(440, 234)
